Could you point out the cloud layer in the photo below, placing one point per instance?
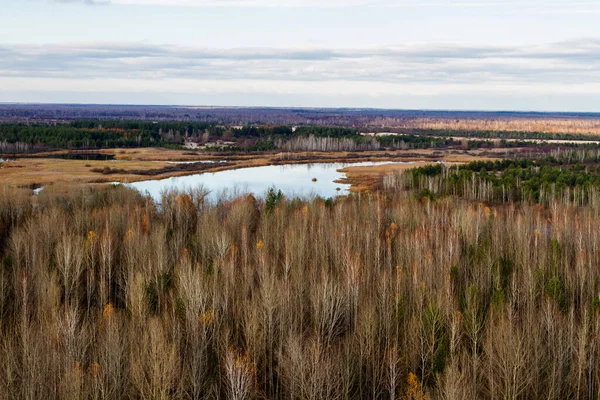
(442, 70)
(288, 51)
(542, 6)
(574, 62)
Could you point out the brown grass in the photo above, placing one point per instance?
(549, 125)
(371, 177)
(42, 171)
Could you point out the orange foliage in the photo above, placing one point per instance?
(207, 318)
(94, 369)
(145, 224)
(108, 312)
(414, 390)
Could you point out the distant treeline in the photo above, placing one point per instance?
(21, 138)
(358, 143)
(494, 134)
(95, 134)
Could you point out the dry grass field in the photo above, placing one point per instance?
(142, 164)
(583, 126)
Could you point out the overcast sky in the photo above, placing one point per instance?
(417, 54)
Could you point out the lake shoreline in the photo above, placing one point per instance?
(44, 171)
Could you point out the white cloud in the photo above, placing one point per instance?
(281, 87)
(418, 70)
(88, 2)
(569, 63)
(542, 6)
(236, 3)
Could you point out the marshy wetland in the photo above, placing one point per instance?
(440, 269)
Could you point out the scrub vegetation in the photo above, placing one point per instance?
(418, 291)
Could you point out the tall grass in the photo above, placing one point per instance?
(104, 295)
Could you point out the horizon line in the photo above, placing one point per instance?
(265, 107)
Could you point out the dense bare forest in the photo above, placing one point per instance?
(313, 143)
(104, 294)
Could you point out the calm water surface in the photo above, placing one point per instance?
(292, 180)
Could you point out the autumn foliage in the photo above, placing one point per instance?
(106, 295)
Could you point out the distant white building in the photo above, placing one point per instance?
(190, 145)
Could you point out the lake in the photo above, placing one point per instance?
(294, 180)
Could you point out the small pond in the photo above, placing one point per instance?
(296, 180)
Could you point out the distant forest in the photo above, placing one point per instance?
(347, 117)
(21, 137)
(96, 134)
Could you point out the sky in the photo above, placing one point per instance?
(527, 55)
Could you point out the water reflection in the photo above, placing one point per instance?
(298, 180)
